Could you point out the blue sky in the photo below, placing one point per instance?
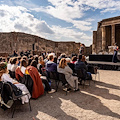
(57, 20)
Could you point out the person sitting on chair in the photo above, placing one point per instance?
(4, 76)
(65, 69)
(81, 65)
(51, 66)
(20, 71)
(9, 65)
(41, 65)
(14, 64)
(38, 88)
(74, 59)
(44, 80)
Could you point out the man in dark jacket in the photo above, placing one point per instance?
(81, 65)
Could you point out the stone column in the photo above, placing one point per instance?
(94, 42)
(113, 35)
(103, 38)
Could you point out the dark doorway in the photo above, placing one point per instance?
(108, 36)
(117, 34)
(33, 47)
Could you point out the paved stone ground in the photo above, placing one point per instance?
(100, 101)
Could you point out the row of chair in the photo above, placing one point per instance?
(5, 87)
(60, 77)
(57, 77)
(8, 97)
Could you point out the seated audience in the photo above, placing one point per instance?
(14, 64)
(20, 71)
(9, 64)
(65, 69)
(25, 58)
(74, 59)
(38, 88)
(19, 58)
(31, 56)
(51, 66)
(36, 58)
(63, 55)
(44, 80)
(29, 61)
(4, 76)
(81, 65)
(46, 59)
(84, 60)
(55, 59)
(41, 65)
(71, 65)
(1, 59)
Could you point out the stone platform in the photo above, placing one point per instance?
(105, 65)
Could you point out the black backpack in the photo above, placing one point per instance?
(16, 90)
(28, 82)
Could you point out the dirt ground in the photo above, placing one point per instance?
(99, 101)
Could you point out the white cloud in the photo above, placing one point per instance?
(67, 11)
(43, 27)
(70, 10)
(22, 28)
(18, 19)
(103, 5)
(82, 25)
(67, 34)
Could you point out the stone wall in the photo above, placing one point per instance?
(108, 33)
(88, 50)
(22, 41)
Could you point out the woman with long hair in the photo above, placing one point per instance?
(4, 76)
(65, 69)
(41, 65)
(20, 71)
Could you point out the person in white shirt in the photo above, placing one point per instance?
(9, 65)
(4, 76)
(14, 64)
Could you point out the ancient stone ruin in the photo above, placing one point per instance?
(108, 33)
(22, 41)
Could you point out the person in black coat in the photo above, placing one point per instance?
(81, 65)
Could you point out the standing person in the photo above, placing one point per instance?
(81, 50)
(114, 59)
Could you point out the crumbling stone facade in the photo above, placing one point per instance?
(108, 33)
(22, 41)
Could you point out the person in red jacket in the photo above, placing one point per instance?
(38, 88)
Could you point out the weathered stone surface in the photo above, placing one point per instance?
(21, 41)
(108, 32)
